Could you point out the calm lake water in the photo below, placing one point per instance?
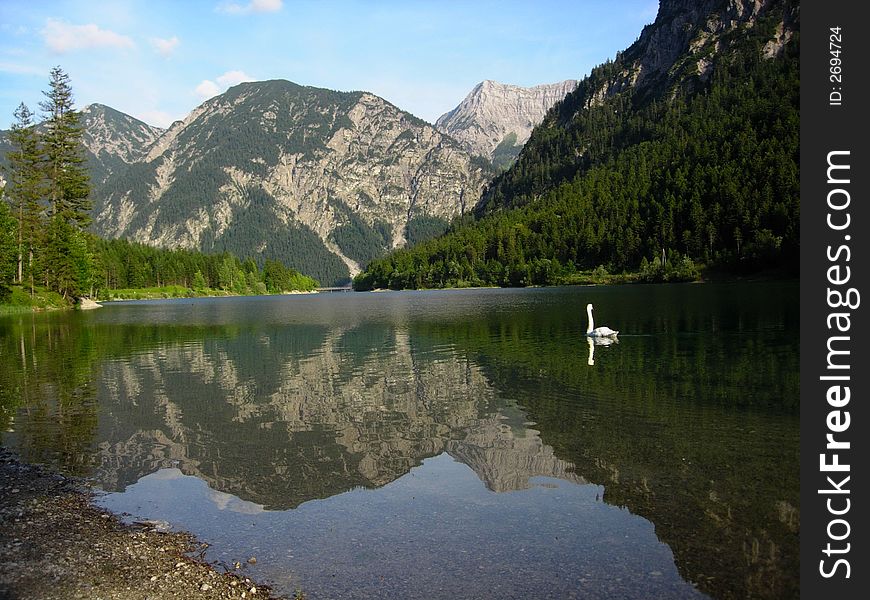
(442, 444)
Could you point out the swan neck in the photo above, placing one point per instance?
(591, 324)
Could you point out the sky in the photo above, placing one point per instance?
(158, 59)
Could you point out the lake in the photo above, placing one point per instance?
(438, 444)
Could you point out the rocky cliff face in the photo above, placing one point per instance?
(683, 40)
(113, 140)
(497, 116)
(321, 180)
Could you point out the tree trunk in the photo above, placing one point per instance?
(30, 270)
(20, 243)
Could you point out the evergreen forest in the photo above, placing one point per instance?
(653, 181)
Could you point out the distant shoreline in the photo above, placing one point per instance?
(714, 277)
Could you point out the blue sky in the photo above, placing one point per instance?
(159, 59)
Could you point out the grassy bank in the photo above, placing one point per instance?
(21, 301)
(175, 291)
(151, 293)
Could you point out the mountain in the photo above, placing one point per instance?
(321, 180)
(496, 119)
(113, 140)
(682, 150)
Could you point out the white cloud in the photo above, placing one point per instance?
(158, 118)
(231, 78)
(165, 47)
(209, 88)
(254, 6)
(266, 5)
(63, 37)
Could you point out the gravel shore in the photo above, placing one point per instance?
(54, 543)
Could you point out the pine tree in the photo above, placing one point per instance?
(69, 183)
(199, 283)
(25, 190)
(68, 263)
(72, 264)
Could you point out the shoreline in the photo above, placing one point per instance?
(715, 278)
(55, 543)
(91, 303)
(709, 276)
(147, 298)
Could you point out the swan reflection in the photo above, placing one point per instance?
(598, 341)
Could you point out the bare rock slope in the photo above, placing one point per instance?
(498, 116)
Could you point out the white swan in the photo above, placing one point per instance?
(592, 331)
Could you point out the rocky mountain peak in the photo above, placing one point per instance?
(496, 119)
(113, 140)
(111, 132)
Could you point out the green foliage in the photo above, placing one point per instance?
(68, 259)
(358, 240)
(198, 283)
(68, 180)
(506, 153)
(424, 227)
(704, 171)
(22, 300)
(677, 268)
(121, 266)
(48, 193)
(278, 278)
(26, 187)
(155, 293)
(292, 244)
(8, 252)
(302, 249)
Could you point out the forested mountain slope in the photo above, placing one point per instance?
(686, 145)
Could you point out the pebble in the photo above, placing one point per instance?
(132, 552)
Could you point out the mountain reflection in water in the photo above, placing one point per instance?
(350, 425)
(308, 415)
